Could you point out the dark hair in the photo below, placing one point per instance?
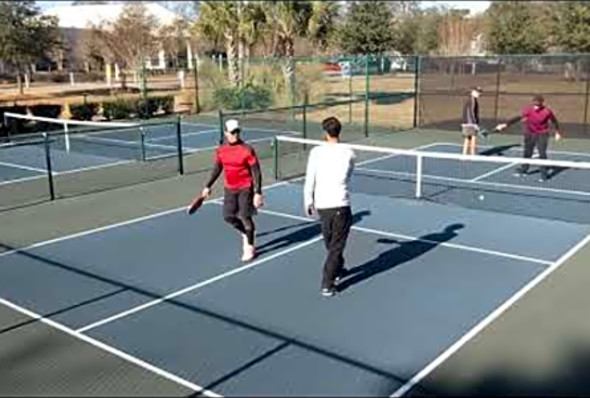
(538, 98)
(332, 126)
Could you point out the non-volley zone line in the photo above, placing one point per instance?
(471, 182)
(235, 271)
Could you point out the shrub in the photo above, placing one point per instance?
(46, 110)
(247, 97)
(120, 109)
(84, 111)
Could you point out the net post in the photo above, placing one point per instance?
(179, 145)
(367, 84)
(275, 157)
(418, 176)
(48, 165)
(196, 76)
(220, 127)
(67, 136)
(417, 66)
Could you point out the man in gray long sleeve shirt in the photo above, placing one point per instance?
(329, 169)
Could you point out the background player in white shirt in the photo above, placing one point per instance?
(329, 169)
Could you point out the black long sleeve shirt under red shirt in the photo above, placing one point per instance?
(240, 165)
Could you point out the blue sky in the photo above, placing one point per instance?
(474, 6)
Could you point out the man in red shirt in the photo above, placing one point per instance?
(536, 118)
(243, 185)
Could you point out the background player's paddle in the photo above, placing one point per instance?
(196, 204)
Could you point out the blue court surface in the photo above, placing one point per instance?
(169, 292)
(104, 149)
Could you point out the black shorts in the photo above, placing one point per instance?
(239, 203)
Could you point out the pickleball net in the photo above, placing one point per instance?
(490, 183)
(118, 140)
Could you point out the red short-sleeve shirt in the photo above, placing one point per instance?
(236, 160)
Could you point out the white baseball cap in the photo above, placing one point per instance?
(232, 125)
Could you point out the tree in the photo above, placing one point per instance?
(456, 33)
(287, 20)
(25, 36)
(218, 22)
(368, 28)
(322, 24)
(129, 39)
(513, 28)
(571, 26)
(174, 37)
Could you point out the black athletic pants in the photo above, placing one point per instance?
(336, 225)
(531, 141)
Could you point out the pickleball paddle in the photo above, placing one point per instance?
(196, 204)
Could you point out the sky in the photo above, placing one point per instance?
(473, 6)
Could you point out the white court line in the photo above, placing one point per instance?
(196, 286)
(23, 167)
(138, 219)
(549, 151)
(17, 180)
(418, 377)
(496, 171)
(110, 349)
(491, 184)
(414, 238)
(246, 129)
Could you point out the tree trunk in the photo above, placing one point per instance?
(19, 82)
(289, 72)
(232, 66)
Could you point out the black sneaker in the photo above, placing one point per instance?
(328, 292)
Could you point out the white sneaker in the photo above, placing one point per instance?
(244, 242)
(249, 253)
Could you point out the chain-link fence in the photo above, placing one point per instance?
(508, 83)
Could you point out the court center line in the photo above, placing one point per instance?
(496, 171)
(418, 377)
(110, 349)
(414, 238)
(147, 217)
(196, 286)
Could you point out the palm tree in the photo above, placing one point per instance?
(322, 24)
(218, 22)
(286, 21)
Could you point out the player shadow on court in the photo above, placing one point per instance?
(498, 150)
(300, 235)
(404, 252)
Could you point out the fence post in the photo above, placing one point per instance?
(196, 76)
(367, 88)
(305, 103)
(497, 99)
(179, 144)
(48, 165)
(350, 92)
(587, 100)
(417, 65)
(275, 157)
(221, 138)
